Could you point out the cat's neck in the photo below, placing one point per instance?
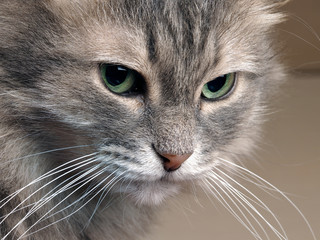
(122, 219)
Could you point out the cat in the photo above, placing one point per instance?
(110, 107)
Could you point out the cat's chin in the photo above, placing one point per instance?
(152, 193)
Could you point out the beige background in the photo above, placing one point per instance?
(290, 158)
(301, 34)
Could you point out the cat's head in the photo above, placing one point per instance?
(161, 91)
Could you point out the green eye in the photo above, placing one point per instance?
(119, 79)
(219, 87)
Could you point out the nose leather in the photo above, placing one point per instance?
(172, 162)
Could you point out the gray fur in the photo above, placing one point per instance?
(52, 98)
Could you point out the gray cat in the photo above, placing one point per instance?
(110, 107)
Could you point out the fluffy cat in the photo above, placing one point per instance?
(109, 107)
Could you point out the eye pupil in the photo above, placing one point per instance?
(115, 75)
(217, 84)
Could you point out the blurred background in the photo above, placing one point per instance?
(290, 155)
(301, 33)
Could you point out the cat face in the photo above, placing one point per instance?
(141, 83)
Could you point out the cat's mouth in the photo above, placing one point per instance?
(151, 181)
(151, 193)
(154, 191)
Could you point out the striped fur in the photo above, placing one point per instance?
(84, 157)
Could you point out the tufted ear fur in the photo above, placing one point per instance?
(276, 3)
(269, 10)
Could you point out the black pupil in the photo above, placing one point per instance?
(217, 83)
(116, 75)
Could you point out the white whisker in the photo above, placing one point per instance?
(42, 187)
(46, 175)
(304, 40)
(45, 200)
(228, 163)
(45, 152)
(260, 203)
(65, 217)
(227, 206)
(87, 193)
(104, 195)
(249, 226)
(90, 186)
(194, 193)
(205, 189)
(308, 26)
(256, 182)
(245, 198)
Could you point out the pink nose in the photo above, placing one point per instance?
(172, 162)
